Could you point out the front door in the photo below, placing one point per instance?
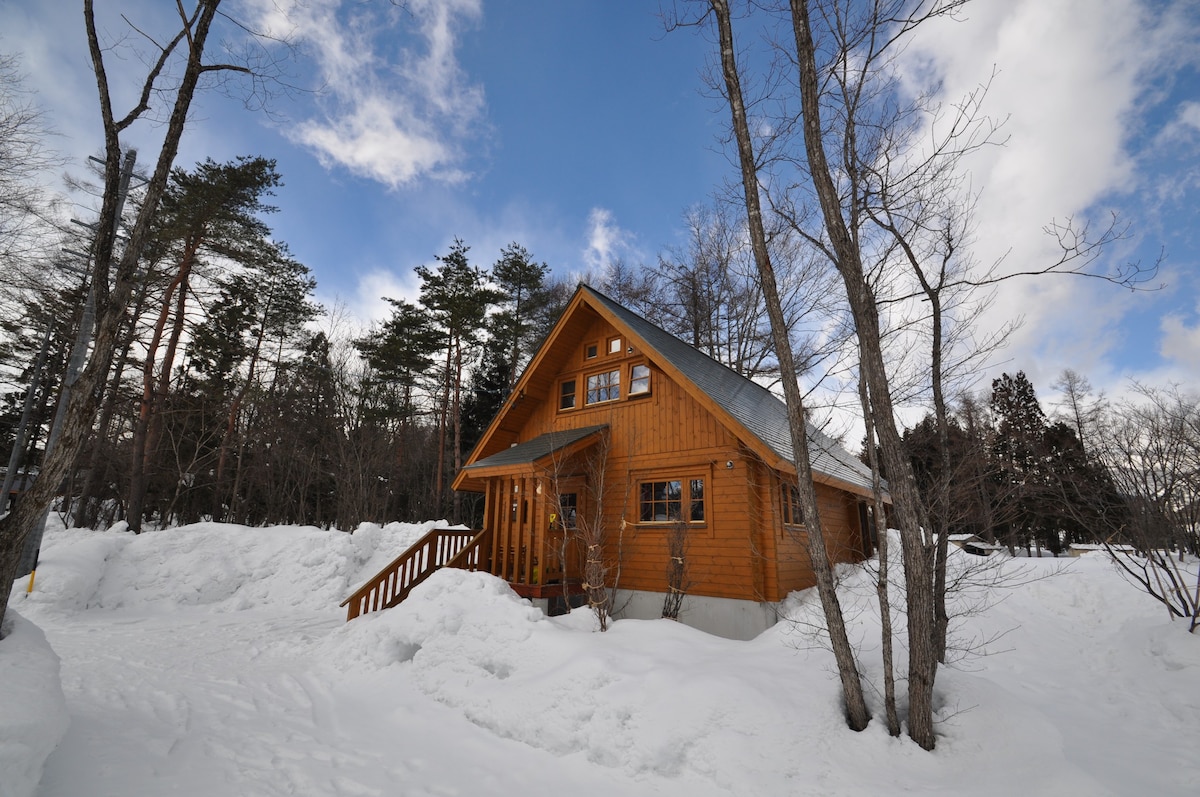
(561, 550)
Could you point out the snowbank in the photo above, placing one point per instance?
(33, 710)
(1054, 666)
(218, 566)
(221, 651)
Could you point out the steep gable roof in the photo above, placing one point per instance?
(751, 405)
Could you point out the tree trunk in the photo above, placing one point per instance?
(112, 305)
(882, 585)
(100, 465)
(857, 715)
(235, 408)
(918, 576)
(154, 391)
(443, 422)
(456, 511)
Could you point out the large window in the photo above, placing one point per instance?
(671, 500)
(604, 386)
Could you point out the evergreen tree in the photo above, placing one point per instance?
(399, 353)
(520, 324)
(212, 212)
(1023, 464)
(490, 387)
(275, 298)
(458, 298)
(950, 493)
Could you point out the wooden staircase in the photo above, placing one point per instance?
(466, 550)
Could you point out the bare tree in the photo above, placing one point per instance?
(1151, 449)
(176, 67)
(678, 581)
(1078, 406)
(26, 210)
(882, 582)
(592, 530)
(857, 714)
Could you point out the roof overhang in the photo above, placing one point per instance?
(531, 457)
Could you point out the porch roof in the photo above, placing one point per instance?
(522, 456)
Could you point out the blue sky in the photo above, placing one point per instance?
(582, 130)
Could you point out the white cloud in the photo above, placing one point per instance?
(374, 288)
(1073, 78)
(390, 113)
(607, 242)
(1181, 344)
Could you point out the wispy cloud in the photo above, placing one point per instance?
(396, 106)
(1180, 345)
(607, 242)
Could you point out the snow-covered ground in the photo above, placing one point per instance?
(213, 660)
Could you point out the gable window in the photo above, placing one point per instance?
(671, 500)
(639, 380)
(792, 513)
(604, 386)
(614, 345)
(566, 395)
(590, 351)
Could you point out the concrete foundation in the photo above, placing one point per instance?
(732, 619)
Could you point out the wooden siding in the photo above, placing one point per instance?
(739, 551)
(843, 538)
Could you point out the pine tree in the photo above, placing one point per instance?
(490, 386)
(520, 324)
(400, 353)
(212, 212)
(458, 299)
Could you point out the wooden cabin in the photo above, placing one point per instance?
(618, 428)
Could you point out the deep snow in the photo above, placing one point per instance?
(213, 660)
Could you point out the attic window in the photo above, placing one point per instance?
(639, 380)
(566, 395)
(590, 351)
(614, 345)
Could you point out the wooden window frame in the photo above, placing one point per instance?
(614, 345)
(633, 380)
(687, 480)
(614, 386)
(591, 350)
(789, 505)
(573, 381)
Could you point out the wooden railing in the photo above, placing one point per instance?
(439, 548)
